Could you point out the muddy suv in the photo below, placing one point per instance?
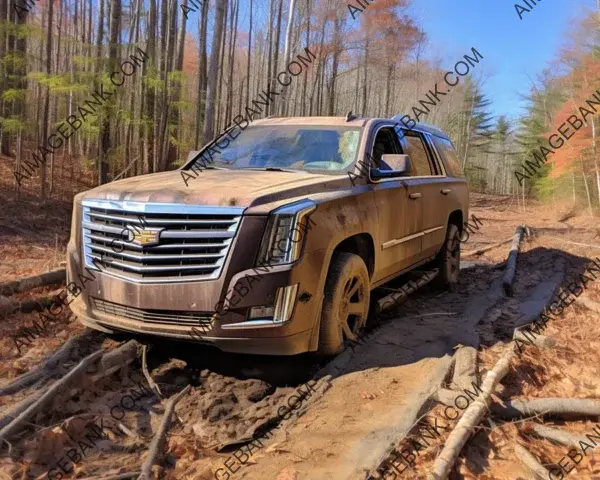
(270, 239)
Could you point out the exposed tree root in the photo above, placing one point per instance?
(532, 463)
(511, 266)
(70, 378)
(48, 278)
(479, 251)
(156, 448)
(564, 408)
(391, 301)
(119, 476)
(149, 379)
(554, 434)
(472, 416)
(20, 408)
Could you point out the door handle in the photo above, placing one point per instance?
(414, 196)
(445, 191)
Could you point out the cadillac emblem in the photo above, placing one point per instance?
(147, 237)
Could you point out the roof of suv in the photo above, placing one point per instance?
(342, 122)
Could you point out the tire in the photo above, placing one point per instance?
(347, 290)
(448, 260)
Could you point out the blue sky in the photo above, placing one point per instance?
(515, 51)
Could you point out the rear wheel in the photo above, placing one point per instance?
(448, 260)
(346, 303)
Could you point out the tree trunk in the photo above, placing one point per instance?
(209, 125)
(202, 30)
(149, 71)
(288, 49)
(46, 118)
(249, 56)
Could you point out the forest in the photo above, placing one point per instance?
(179, 72)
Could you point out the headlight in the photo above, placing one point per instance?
(284, 235)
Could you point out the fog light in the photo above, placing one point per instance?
(261, 312)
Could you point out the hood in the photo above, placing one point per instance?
(244, 188)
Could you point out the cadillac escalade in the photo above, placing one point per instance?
(272, 242)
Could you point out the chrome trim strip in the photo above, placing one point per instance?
(196, 234)
(158, 221)
(101, 228)
(155, 257)
(167, 246)
(431, 230)
(398, 241)
(261, 323)
(173, 208)
(156, 268)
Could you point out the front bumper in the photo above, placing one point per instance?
(233, 295)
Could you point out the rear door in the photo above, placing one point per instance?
(431, 181)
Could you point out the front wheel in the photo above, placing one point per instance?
(448, 260)
(346, 303)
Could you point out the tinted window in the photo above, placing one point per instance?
(448, 154)
(386, 142)
(418, 155)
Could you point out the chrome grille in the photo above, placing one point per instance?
(193, 242)
(151, 316)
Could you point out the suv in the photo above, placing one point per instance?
(272, 243)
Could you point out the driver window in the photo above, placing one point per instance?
(386, 142)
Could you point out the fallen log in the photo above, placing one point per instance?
(563, 408)
(479, 251)
(71, 377)
(471, 418)
(47, 369)
(531, 463)
(38, 304)
(556, 435)
(112, 362)
(511, 265)
(156, 448)
(48, 278)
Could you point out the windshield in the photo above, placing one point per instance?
(296, 147)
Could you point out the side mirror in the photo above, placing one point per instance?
(393, 166)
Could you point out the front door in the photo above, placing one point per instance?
(398, 202)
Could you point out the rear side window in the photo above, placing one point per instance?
(418, 155)
(448, 154)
